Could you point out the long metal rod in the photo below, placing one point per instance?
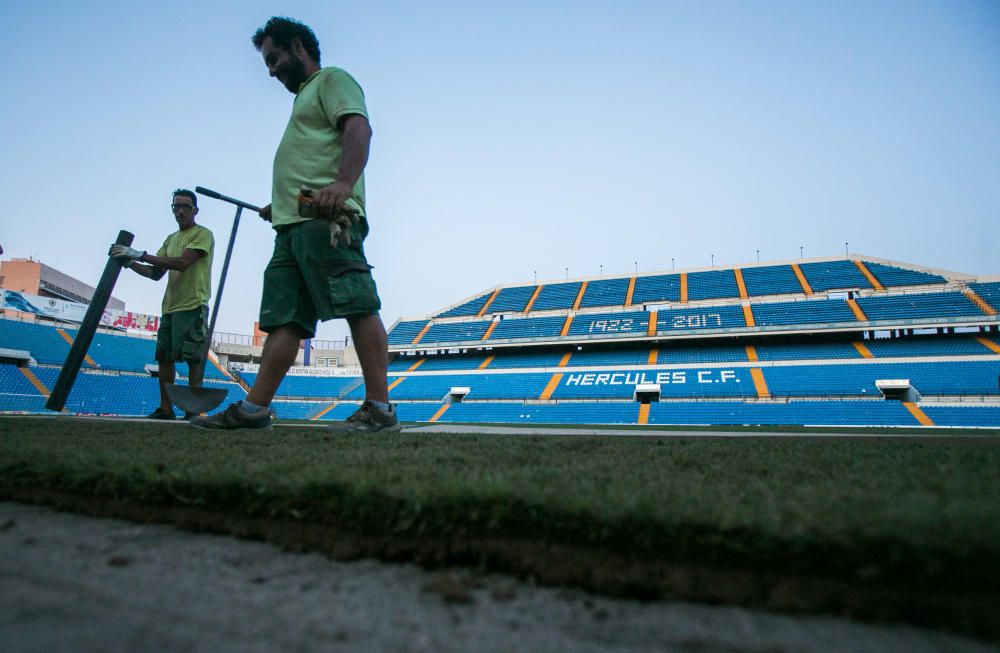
(222, 279)
(91, 320)
(201, 190)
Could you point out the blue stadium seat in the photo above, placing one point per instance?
(713, 284)
(771, 280)
(890, 275)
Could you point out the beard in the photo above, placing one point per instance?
(293, 74)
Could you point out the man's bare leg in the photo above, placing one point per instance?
(280, 350)
(166, 376)
(372, 347)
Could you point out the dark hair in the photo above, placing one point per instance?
(184, 192)
(282, 30)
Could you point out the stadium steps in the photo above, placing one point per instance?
(423, 332)
(630, 292)
(989, 344)
(918, 414)
(69, 341)
(806, 288)
(643, 417)
(534, 297)
(858, 313)
(579, 298)
(742, 286)
(35, 381)
(868, 275)
(569, 322)
(550, 387)
(684, 287)
(759, 383)
(489, 301)
(486, 363)
(490, 330)
(863, 349)
(979, 301)
(441, 411)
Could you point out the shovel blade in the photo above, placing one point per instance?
(195, 400)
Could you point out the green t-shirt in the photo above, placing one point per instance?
(192, 287)
(310, 151)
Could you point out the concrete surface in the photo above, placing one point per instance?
(72, 583)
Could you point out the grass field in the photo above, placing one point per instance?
(886, 513)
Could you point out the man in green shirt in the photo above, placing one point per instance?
(186, 257)
(316, 272)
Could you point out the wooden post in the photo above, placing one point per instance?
(71, 366)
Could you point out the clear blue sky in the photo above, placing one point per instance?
(518, 136)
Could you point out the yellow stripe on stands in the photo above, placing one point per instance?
(68, 338)
(651, 329)
(868, 275)
(215, 361)
(486, 363)
(858, 313)
(629, 293)
(684, 287)
(396, 382)
(579, 296)
(994, 347)
(565, 359)
(551, 387)
(751, 353)
(35, 381)
(489, 301)
(748, 315)
(738, 273)
(439, 413)
(653, 355)
(423, 332)
(643, 414)
(566, 325)
(919, 414)
(489, 331)
(806, 288)
(759, 383)
(979, 301)
(417, 364)
(323, 412)
(531, 302)
(863, 350)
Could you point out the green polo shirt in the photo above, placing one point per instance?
(192, 287)
(310, 151)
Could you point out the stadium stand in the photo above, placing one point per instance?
(556, 296)
(773, 344)
(771, 280)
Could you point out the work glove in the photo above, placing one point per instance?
(127, 253)
(340, 225)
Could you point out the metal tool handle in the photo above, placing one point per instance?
(85, 335)
(225, 198)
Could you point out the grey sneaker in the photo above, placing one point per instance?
(159, 413)
(234, 417)
(368, 419)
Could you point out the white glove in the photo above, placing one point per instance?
(125, 252)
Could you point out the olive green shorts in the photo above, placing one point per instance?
(181, 336)
(308, 281)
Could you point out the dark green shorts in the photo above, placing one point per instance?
(181, 336)
(308, 281)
